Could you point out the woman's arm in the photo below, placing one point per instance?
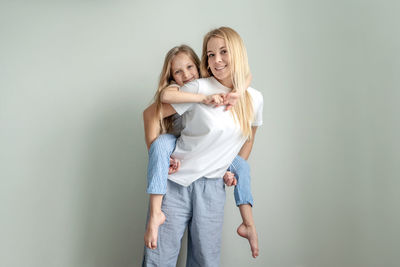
(248, 80)
(229, 177)
(248, 145)
(231, 98)
(152, 123)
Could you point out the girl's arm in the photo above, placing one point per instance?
(172, 95)
(152, 123)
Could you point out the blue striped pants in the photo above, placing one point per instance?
(198, 207)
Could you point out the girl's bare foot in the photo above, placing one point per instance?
(249, 232)
(150, 237)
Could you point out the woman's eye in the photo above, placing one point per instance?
(210, 55)
(224, 52)
(190, 66)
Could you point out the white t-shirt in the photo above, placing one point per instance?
(210, 139)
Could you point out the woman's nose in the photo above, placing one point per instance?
(218, 58)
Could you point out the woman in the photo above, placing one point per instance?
(208, 143)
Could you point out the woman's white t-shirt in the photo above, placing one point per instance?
(210, 139)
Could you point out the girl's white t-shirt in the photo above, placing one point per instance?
(210, 139)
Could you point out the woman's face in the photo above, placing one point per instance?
(183, 69)
(218, 60)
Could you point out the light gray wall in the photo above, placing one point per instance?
(76, 75)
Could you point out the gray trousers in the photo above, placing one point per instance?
(200, 207)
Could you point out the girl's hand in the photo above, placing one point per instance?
(228, 100)
(174, 165)
(229, 179)
(215, 100)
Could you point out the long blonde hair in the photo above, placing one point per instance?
(166, 79)
(240, 70)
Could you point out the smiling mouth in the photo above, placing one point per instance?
(189, 80)
(220, 68)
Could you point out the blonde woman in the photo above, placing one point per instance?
(210, 140)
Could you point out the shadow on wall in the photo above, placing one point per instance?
(114, 202)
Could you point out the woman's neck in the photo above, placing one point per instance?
(226, 82)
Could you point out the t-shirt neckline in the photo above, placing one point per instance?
(221, 85)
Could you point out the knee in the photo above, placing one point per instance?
(165, 143)
(240, 165)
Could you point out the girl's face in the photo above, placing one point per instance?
(218, 60)
(183, 69)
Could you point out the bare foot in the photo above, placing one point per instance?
(150, 237)
(249, 232)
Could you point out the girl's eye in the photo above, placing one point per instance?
(190, 66)
(224, 51)
(210, 55)
(177, 72)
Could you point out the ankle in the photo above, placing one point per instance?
(248, 224)
(155, 213)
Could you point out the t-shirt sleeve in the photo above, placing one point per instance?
(192, 87)
(258, 102)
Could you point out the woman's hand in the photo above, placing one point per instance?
(174, 165)
(230, 100)
(229, 179)
(214, 100)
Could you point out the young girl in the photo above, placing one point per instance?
(181, 66)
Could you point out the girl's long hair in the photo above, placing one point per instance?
(240, 70)
(166, 79)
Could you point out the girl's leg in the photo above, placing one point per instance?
(157, 169)
(242, 191)
(244, 201)
(157, 174)
(155, 218)
(178, 210)
(247, 228)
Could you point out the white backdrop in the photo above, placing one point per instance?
(75, 77)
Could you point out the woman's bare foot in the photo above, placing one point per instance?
(150, 237)
(249, 232)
